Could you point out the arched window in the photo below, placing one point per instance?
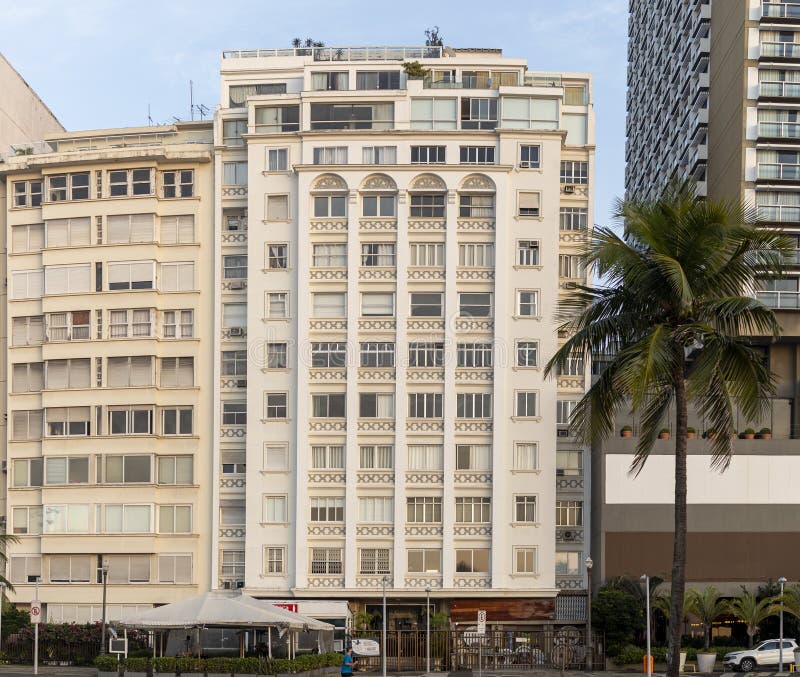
(379, 197)
(329, 197)
(476, 197)
(428, 197)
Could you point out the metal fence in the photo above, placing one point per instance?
(496, 650)
(19, 649)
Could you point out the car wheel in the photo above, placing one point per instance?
(747, 665)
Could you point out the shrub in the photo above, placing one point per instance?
(618, 614)
(166, 664)
(629, 655)
(135, 664)
(106, 663)
(659, 653)
(280, 665)
(189, 665)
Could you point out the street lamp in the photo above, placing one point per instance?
(383, 629)
(646, 580)
(104, 570)
(428, 629)
(589, 656)
(2, 604)
(782, 581)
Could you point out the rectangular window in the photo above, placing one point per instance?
(123, 323)
(177, 276)
(67, 421)
(127, 372)
(176, 569)
(234, 413)
(528, 303)
(568, 564)
(131, 275)
(328, 405)
(28, 330)
(327, 80)
(234, 363)
(27, 284)
(238, 94)
(70, 568)
(129, 182)
(277, 256)
(473, 509)
(326, 561)
(234, 315)
(569, 463)
(327, 509)
(27, 472)
(527, 354)
(361, 115)
(379, 155)
(177, 229)
(277, 159)
(376, 405)
(526, 456)
(378, 254)
(66, 519)
(126, 469)
(425, 405)
(428, 457)
(329, 304)
(177, 324)
(528, 253)
(571, 266)
(27, 377)
(63, 232)
(232, 564)
(132, 420)
(232, 515)
(374, 561)
(529, 113)
(475, 355)
(271, 119)
(377, 79)
(424, 560)
(178, 183)
(476, 457)
(425, 354)
(475, 304)
(476, 255)
(476, 206)
(330, 206)
(426, 305)
(376, 457)
(525, 560)
(327, 457)
(62, 187)
(328, 355)
(428, 155)
(477, 155)
(564, 409)
(177, 421)
(573, 218)
(569, 513)
(130, 228)
(125, 519)
(474, 405)
(427, 205)
(232, 131)
(275, 406)
(175, 519)
(530, 156)
(277, 355)
(276, 457)
(277, 208)
(424, 509)
(526, 404)
(478, 113)
(426, 254)
(72, 279)
(525, 509)
(26, 520)
(275, 509)
(330, 155)
(376, 509)
(434, 113)
(234, 173)
(277, 305)
(472, 561)
(574, 172)
(27, 194)
(529, 204)
(376, 354)
(274, 561)
(329, 255)
(382, 206)
(177, 372)
(28, 238)
(26, 424)
(375, 304)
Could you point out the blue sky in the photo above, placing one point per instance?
(99, 63)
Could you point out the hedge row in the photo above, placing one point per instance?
(246, 666)
(635, 655)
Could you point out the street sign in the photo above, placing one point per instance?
(36, 611)
(481, 622)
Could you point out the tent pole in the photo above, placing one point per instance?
(269, 641)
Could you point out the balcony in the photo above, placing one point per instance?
(786, 90)
(789, 300)
(780, 50)
(779, 130)
(780, 10)
(778, 172)
(778, 213)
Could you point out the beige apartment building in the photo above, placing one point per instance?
(110, 303)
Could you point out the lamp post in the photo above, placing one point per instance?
(428, 629)
(383, 629)
(104, 570)
(589, 656)
(782, 581)
(646, 580)
(2, 604)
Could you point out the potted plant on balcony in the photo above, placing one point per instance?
(414, 70)
(749, 434)
(627, 431)
(765, 434)
(691, 433)
(663, 434)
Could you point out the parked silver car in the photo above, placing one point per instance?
(766, 653)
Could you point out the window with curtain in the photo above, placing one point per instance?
(67, 232)
(361, 115)
(377, 79)
(376, 405)
(473, 457)
(28, 238)
(528, 113)
(376, 509)
(177, 229)
(425, 457)
(271, 119)
(329, 304)
(330, 80)
(376, 457)
(327, 457)
(131, 275)
(377, 304)
(330, 155)
(379, 155)
(329, 255)
(177, 372)
(238, 94)
(526, 456)
(234, 173)
(277, 207)
(434, 113)
(72, 279)
(234, 315)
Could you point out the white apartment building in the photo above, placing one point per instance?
(108, 239)
(390, 256)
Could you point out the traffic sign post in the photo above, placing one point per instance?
(481, 634)
(36, 611)
(36, 618)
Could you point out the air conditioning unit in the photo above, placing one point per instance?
(238, 284)
(236, 331)
(568, 189)
(562, 432)
(241, 383)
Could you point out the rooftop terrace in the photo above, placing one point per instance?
(340, 53)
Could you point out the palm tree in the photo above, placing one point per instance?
(751, 611)
(677, 308)
(708, 606)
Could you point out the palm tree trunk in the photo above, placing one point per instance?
(678, 583)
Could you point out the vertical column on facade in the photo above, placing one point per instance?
(215, 323)
(401, 397)
(351, 404)
(504, 248)
(449, 398)
(300, 403)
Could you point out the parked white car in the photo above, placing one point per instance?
(766, 653)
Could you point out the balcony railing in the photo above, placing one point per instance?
(340, 53)
(779, 130)
(779, 299)
(778, 213)
(781, 10)
(780, 171)
(784, 89)
(780, 50)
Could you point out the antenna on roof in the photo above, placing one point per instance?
(201, 108)
(149, 117)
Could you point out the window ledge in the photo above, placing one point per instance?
(519, 267)
(276, 319)
(538, 318)
(520, 368)
(535, 419)
(537, 471)
(284, 471)
(273, 524)
(524, 575)
(272, 270)
(535, 525)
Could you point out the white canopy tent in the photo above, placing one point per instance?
(224, 609)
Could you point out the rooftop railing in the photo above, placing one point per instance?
(339, 53)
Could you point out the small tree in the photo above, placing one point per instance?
(433, 38)
(752, 612)
(619, 615)
(414, 69)
(707, 606)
